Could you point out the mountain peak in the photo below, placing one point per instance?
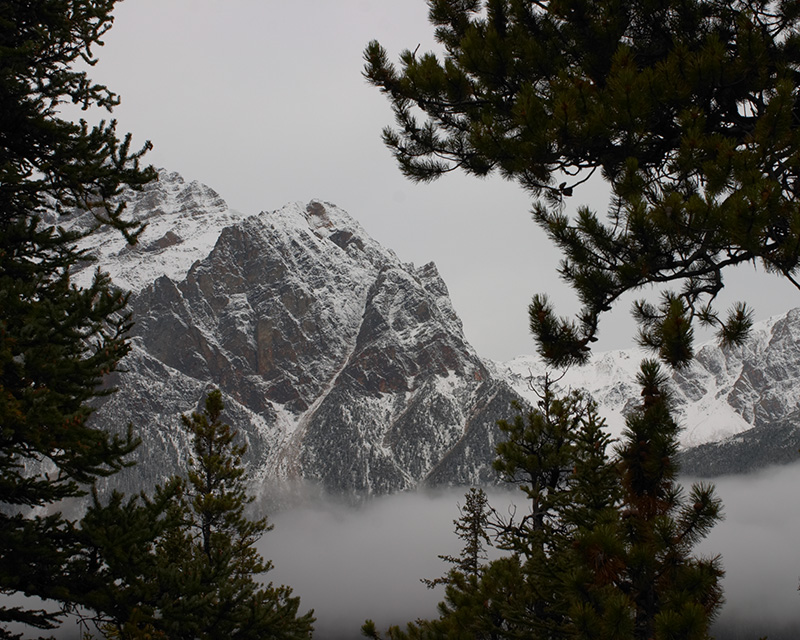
(183, 221)
(339, 363)
(343, 366)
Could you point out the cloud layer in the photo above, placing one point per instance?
(350, 563)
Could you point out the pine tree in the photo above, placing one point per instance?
(477, 592)
(183, 564)
(57, 341)
(208, 565)
(119, 566)
(686, 108)
(603, 549)
(472, 528)
(675, 595)
(557, 455)
(590, 557)
(611, 554)
(522, 595)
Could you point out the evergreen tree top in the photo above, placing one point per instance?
(48, 161)
(686, 108)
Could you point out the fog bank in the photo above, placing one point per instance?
(760, 546)
(351, 563)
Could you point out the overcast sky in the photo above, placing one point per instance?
(264, 101)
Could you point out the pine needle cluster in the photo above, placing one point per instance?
(688, 110)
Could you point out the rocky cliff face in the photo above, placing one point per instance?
(762, 385)
(339, 363)
(343, 366)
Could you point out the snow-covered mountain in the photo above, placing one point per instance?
(339, 363)
(343, 366)
(720, 394)
(739, 408)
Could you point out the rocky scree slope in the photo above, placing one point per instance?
(339, 364)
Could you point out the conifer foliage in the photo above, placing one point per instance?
(471, 528)
(190, 569)
(57, 342)
(674, 594)
(688, 109)
(213, 554)
(603, 547)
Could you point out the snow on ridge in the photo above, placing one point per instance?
(328, 222)
(184, 221)
(706, 403)
(610, 378)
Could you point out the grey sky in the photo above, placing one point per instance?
(264, 101)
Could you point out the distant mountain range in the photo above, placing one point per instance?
(347, 369)
(739, 407)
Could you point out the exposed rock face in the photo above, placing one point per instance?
(339, 363)
(763, 381)
(757, 381)
(342, 365)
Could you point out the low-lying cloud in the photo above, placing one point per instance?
(760, 546)
(351, 563)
